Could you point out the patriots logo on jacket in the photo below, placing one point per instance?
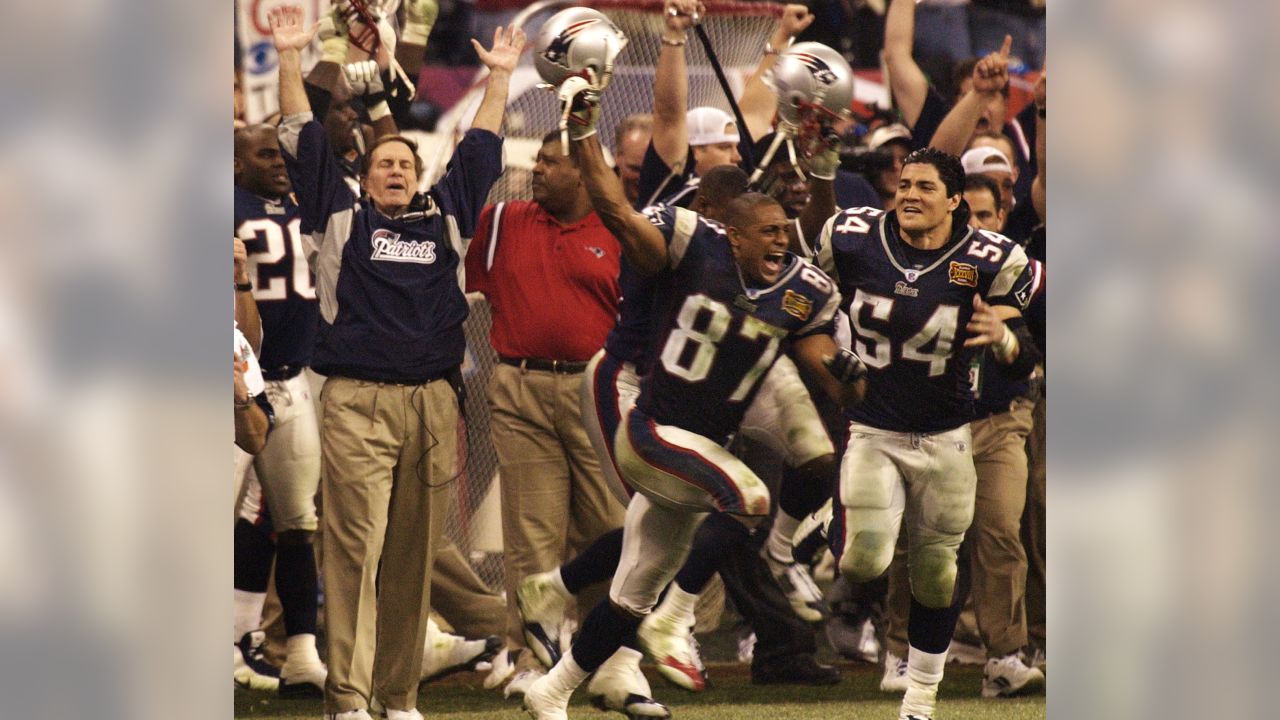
(558, 49)
(818, 67)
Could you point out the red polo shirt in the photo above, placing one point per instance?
(553, 288)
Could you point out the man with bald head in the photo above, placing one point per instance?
(288, 468)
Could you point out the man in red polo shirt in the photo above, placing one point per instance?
(549, 269)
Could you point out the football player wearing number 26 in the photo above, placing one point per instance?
(912, 278)
(727, 298)
(267, 220)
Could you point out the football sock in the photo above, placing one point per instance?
(595, 564)
(712, 546)
(924, 672)
(296, 585)
(677, 605)
(566, 676)
(603, 631)
(252, 570)
(930, 629)
(780, 536)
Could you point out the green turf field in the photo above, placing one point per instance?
(731, 696)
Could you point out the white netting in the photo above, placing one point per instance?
(738, 32)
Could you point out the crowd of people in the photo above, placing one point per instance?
(856, 295)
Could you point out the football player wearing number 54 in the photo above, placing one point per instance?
(913, 279)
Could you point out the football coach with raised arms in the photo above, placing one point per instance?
(387, 278)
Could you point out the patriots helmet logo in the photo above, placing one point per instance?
(821, 71)
(558, 49)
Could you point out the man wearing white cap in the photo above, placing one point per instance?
(992, 163)
(685, 144)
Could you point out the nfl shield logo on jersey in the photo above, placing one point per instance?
(797, 305)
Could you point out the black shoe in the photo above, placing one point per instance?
(793, 670)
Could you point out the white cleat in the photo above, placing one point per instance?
(303, 679)
(539, 703)
(542, 610)
(446, 653)
(620, 686)
(798, 585)
(675, 651)
(918, 704)
(895, 678)
(500, 668)
(1009, 675)
(249, 668)
(519, 684)
(404, 715)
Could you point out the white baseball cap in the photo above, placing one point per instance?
(707, 125)
(885, 133)
(985, 159)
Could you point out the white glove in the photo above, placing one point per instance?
(419, 18)
(580, 109)
(333, 36)
(363, 77)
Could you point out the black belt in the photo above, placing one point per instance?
(564, 367)
(284, 372)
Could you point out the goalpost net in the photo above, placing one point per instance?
(738, 32)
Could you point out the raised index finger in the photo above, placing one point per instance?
(1006, 47)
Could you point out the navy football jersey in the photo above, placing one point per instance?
(908, 309)
(283, 284)
(628, 339)
(715, 339)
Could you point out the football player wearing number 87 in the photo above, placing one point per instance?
(730, 295)
(913, 279)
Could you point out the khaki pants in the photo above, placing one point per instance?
(462, 598)
(388, 454)
(993, 542)
(1033, 528)
(555, 500)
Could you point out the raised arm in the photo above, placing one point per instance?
(822, 167)
(501, 60)
(642, 243)
(990, 76)
(907, 82)
(758, 102)
(671, 84)
(290, 36)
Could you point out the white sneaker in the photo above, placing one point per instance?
(500, 669)
(360, 714)
(521, 682)
(447, 653)
(538, 701)
(404, 714)
(1039, 660)
(674, 650)
(1009, 675)
(542, 609)
(798, 585)
(249, 668)
(619, 685)
(894, 679)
